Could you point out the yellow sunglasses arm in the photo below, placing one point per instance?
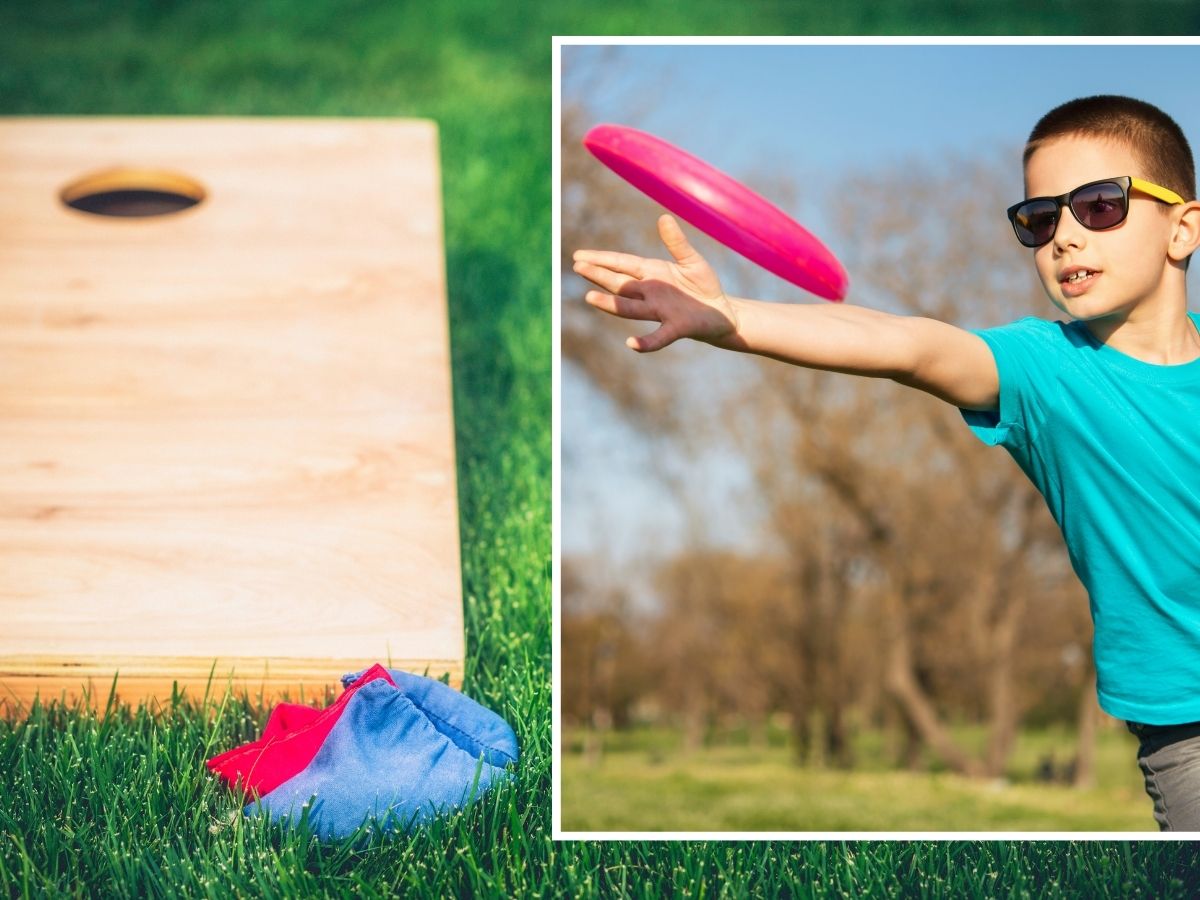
(1154, 190)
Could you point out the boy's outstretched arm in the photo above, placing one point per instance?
(685, 296)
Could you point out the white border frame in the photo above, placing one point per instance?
(556, 434)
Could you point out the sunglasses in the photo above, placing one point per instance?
(1096, 206)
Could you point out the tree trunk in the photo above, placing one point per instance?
(802, 733)
(902, 684)
(1002, 712)
(1085, 752)
(910, 755)
(694, 730)
(594, 735)
(837, 742)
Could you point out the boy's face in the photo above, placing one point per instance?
(1125, 265)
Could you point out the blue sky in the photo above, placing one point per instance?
(825, 109)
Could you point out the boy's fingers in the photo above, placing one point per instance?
(613, 282)
(675, 240)
(625, 263)
(618, 306)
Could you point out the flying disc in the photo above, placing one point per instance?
(720, 206)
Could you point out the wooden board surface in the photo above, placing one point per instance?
(225, 433)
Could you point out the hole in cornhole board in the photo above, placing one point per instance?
(228, 436)
(133, 193)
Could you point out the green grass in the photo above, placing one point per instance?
(122, 806)
(654, 787)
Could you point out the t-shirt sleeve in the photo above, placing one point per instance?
(1023, 353)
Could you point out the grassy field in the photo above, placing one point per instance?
(646, 784)
(122, 806)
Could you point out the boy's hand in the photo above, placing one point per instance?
(685, 295)
(686, 298)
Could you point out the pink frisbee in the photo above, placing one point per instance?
(721, 207)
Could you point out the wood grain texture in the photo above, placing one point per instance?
(225, 433)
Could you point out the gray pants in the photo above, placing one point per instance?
(1169, 756)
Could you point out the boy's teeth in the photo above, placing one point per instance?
(1079, 276)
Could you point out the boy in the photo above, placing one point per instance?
(1102, 412)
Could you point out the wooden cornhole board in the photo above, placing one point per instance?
(226, 441)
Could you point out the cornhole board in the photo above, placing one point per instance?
(226, 438)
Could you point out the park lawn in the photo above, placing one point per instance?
(741, 788)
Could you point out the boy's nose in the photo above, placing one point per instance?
(1068, 232)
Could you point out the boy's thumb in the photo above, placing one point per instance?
(674, 239)
(647, 343)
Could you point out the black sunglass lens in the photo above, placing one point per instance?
(1035, 221)
(1099, 205)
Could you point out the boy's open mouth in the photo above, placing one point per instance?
(1076, 280)
(1075, 276)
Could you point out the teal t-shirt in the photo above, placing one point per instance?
(1113, 444)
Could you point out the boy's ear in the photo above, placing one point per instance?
(1186, 237)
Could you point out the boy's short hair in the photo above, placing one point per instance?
(1153, 136)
